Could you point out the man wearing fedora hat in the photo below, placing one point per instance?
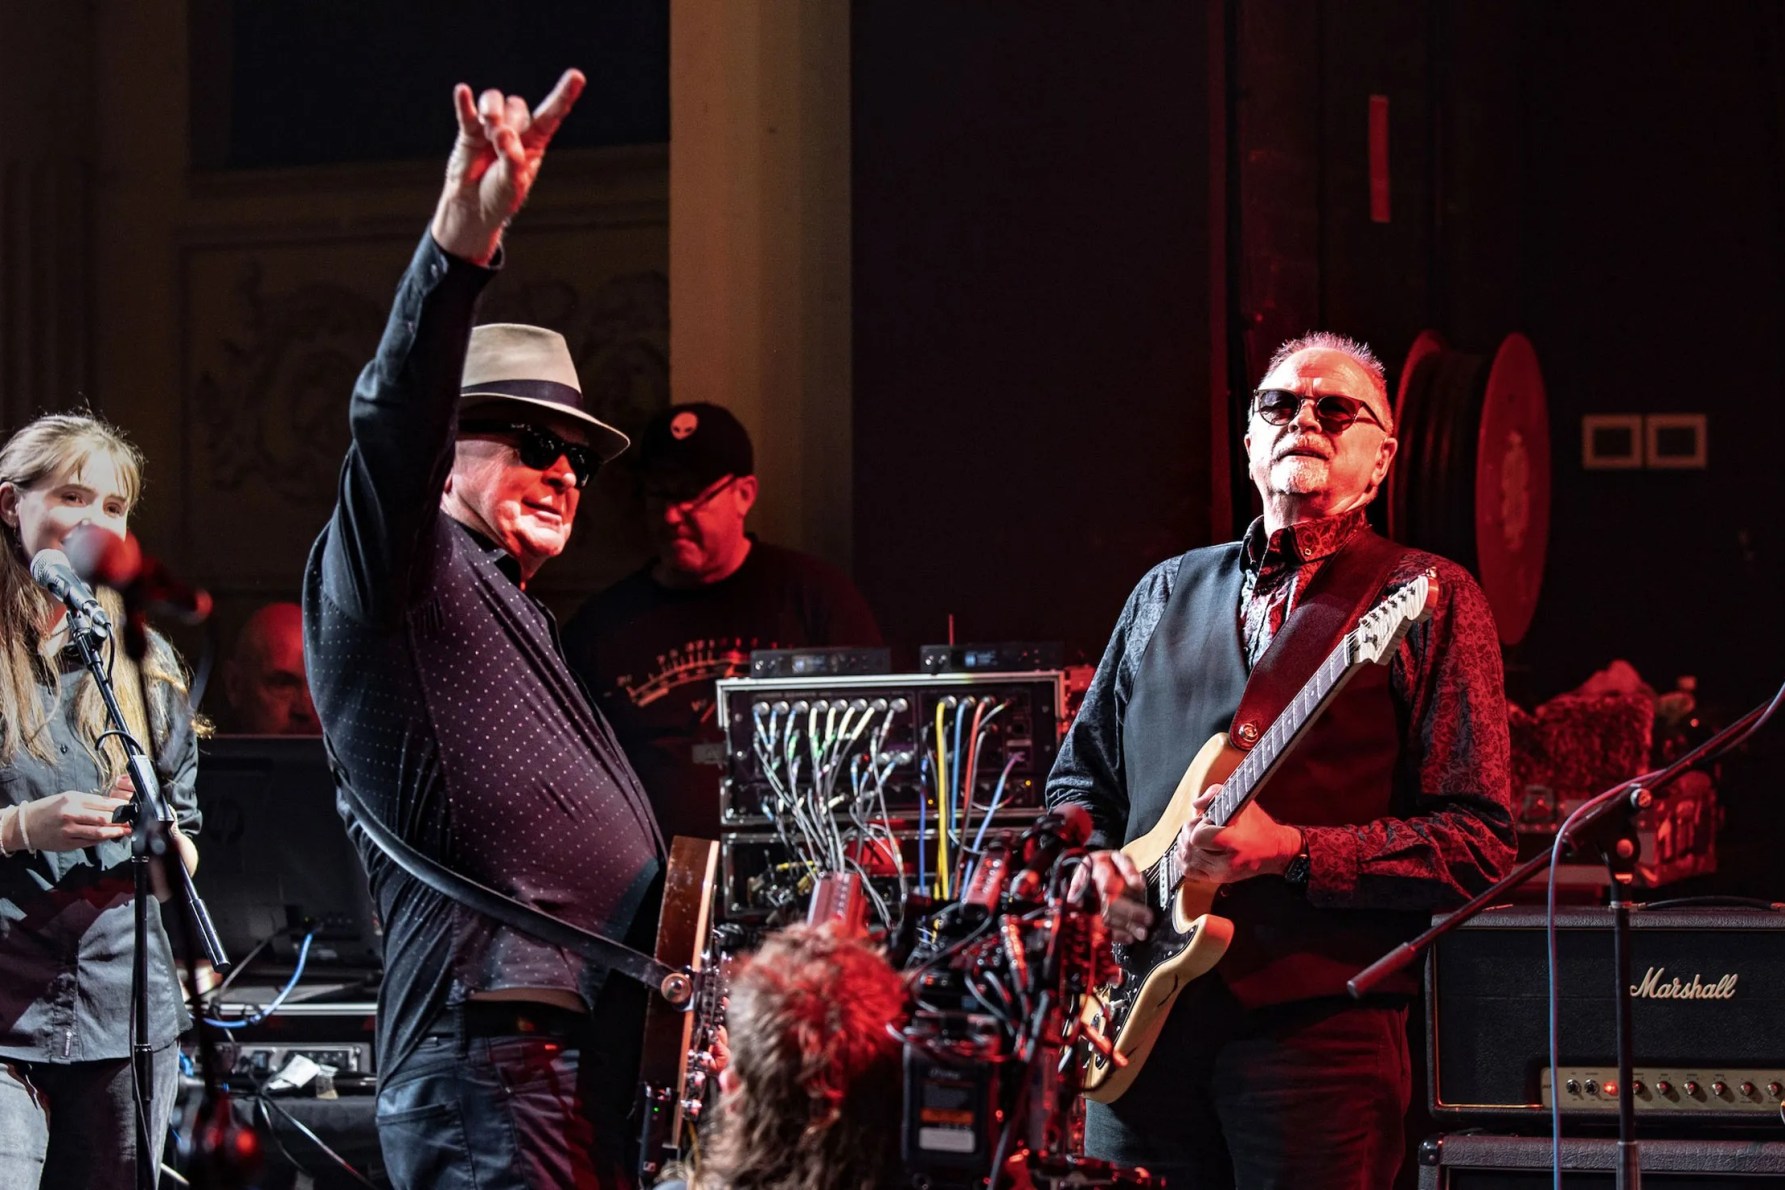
(454, 721)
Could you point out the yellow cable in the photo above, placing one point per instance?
(941, 885)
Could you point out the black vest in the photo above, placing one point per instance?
(1347, 769)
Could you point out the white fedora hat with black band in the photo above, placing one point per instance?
(508, 364)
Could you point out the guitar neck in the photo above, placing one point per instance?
(1245, 782)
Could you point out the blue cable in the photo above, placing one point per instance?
(923, 803)
(997, 796)
(957, 778)
(957, 784)
(273, 1005)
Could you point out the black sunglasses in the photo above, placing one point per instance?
(685, 496)
(1279, 406)
(539, 448)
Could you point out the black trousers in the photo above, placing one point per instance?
(1305, 1096)
(508, 1096)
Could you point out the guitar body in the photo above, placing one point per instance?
(1185, 942)
(675, 1041)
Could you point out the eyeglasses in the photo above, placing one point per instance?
(1279, 407)
(539, 448)
(684, 500)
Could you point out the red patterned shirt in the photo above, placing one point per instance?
(1280, 567)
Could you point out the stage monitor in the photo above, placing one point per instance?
(273, 854)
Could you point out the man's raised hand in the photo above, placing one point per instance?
(494, 162)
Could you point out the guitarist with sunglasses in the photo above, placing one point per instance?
(1394, 803)
(504, 1062)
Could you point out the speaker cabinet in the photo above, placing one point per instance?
(1470, 1161)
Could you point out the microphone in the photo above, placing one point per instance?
(1060, 829)
(52, 571)
(142, 579)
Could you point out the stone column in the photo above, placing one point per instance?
(759, 233)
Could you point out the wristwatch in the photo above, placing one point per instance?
(1299, 869)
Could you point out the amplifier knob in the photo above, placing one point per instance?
(1664, 1087)
(1692, 1088)
(1719, 1089)
(1636, 1087)
(1775, 1090)
(1748, 1090)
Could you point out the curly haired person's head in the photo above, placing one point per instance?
(812, 1096)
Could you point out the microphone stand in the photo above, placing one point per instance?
(1610, 822)
(150, 818)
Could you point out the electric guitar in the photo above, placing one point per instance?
(676, 1060)
(1186, 940)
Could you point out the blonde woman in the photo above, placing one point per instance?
(67, 1111)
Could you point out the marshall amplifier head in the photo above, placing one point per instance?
(1708, 986)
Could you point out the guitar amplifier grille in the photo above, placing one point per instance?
(1708, 986)
(1467, 1162)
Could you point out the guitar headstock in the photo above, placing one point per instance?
(1381, 630)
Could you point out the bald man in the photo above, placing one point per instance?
(263, 680)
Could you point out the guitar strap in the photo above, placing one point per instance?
(1342, 591)
(596, 948)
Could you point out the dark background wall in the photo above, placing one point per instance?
(1032, 314)
(1654, 281)
(276, 83)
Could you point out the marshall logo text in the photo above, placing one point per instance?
(1656, 986)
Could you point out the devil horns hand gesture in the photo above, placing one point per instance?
(493, 164)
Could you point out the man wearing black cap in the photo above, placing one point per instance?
(650, 647)
(455, 722)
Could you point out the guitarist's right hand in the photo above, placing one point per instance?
(1119, 884)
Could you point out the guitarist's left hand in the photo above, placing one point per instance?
(1252, 844)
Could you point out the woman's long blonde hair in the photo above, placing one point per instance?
(53, 446)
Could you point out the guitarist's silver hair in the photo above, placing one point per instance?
(1359, 353)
